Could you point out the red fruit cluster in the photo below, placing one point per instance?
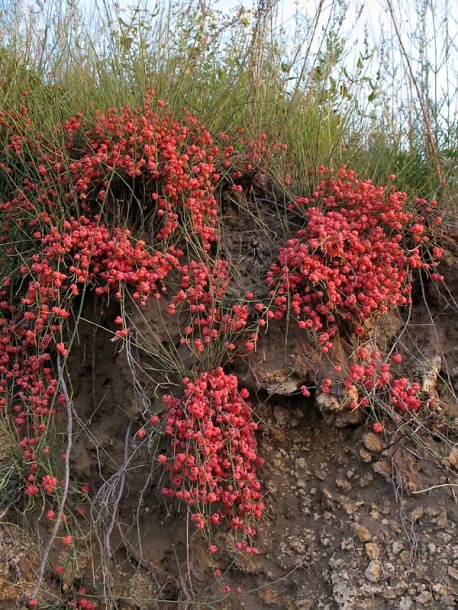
(258, 155)
(213, 462)
(371, 381)
(404, 394)
(351, 258)
(89, 252)
(168, 164)
(165, 168)
(29, 391)
(211, 316)
(83, 602)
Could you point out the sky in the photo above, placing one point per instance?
(365, 20)
(369, 18)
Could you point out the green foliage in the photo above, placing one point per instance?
(303, 85)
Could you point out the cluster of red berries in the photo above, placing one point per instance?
(351, 257)
(211, 316)
(168, 164)
(89, 252)
(371, 379)
(213, 462)
(350, 260)
(29, 391)
(83, 602)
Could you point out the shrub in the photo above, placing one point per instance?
(213, 462)
(353, 256)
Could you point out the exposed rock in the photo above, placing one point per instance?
(397, 547)
(431, 369)
(327, 403)
(349, 417)
(452, 457)
(372, 550)
(442, 519)
(372, 442)
(373, 571)
(424, 598)
(406, 603)
(405, 557)
(417, 514)
(365, 455)
(362, 532)
(384, 469)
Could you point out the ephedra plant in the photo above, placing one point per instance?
(127, 209)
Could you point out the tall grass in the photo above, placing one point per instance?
(386, 105)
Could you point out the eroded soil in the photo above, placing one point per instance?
(354, 520)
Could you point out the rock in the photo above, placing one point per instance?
(301, 463)
(352, 507)
(273, 372)
(386, 508)
(405, 468)
(279, 435)
(281, 415)
(327, 403)
(442, 520)
(272, 597)
(372, 442)
(373, 571)
(431, 369)
(424, 598)
(372, 550)
(305, 604)
(397, 547)
(452, 458)
(365, 455)
(440, 588)
(321, 475)
(366, 480)
(347, 544)
(453, 572)
(349, 418)
(344, 485)
(362, 532)
(405, 558)
(445, 537)
(298, 545)
(406, 603)
(417, 514)
(384, 469)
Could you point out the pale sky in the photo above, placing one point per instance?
(372, 19)
(368, 18)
